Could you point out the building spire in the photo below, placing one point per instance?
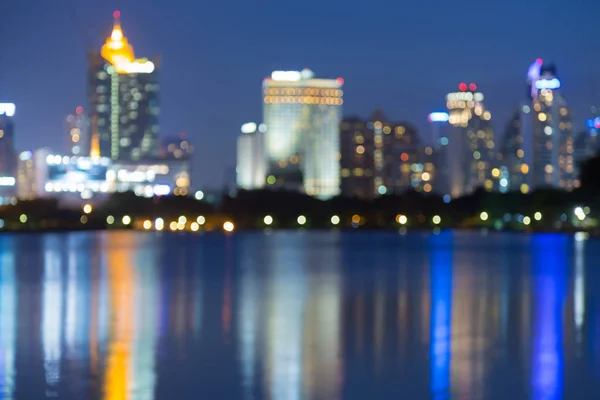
(117, 49)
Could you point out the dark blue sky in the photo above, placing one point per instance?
(401, 56)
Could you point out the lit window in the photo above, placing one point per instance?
(428, 150)
(549, 169)
(524, 188)
(400, 130)
(345, 172)
(360, 149)
(563, 112)
(524, 169)
(537, 107)
(387, 130)
(358, 172)
(542, 117)
(477, 155)
(520, 153)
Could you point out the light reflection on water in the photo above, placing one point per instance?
(293, 315)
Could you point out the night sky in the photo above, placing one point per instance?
(400, 56)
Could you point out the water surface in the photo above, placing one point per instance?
(298, 315)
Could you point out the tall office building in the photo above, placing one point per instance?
(471, 153)
(251, 165)
(512, 154)
(548, 131)
(123, 100)
(440, 131)
(379, 157)
(8, 157)
(303, 114)
(357, 146)
(78, 133)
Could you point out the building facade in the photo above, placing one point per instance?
(357, 162)
(123, 94)
(78, 133)
(251, 167)
(512, 157)
(8, 160)
(303, 114)
(548, 132)
(471, 146)
(379, 157)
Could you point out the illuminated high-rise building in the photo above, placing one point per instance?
(440, 131)
(303, 114)
(471, 153)
(8, 160)
(548, 131)
(123, 100)
(251, 165)
(511, 155)
(78, 133)
(357, 163)
(379, 157)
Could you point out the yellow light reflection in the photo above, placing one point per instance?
(122, 287)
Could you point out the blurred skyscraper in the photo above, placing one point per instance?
(8, 160)
(251, 165)
(357, 164)
(123, 100)
(548, 131)
(78, 133)
(512, 155)
(303, 114)
(471, 153)
(440, 131)
(379, 157)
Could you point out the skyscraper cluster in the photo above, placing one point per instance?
(112, 144)
(305, 145)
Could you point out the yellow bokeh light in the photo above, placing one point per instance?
(524, 169)
(228, 226)
(173, 226)
(524, 188)
(147, 224)
(268, 220)
(335, 220)
(87, 208)
(301, 220)
(126, 220)
(201, 220)
(194, 227)
(437, 220)
(401, 219)
(484, 216)
(496, 173)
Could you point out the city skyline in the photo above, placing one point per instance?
(407, 91)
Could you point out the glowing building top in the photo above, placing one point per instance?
(120, 54)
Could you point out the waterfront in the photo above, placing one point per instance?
(299, 315)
